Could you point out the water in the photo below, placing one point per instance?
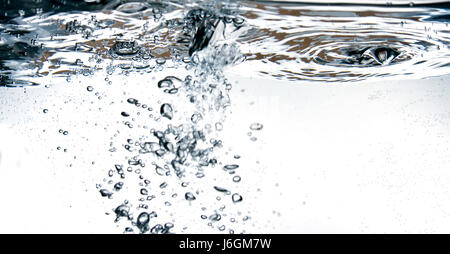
(345, 43)
(283, 41)
(164, 67)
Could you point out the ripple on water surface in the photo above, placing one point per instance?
(283, 41)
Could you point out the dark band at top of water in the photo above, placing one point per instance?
(397, 3)
(292, 41)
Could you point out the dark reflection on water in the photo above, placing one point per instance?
(15, 8)
(42, 39)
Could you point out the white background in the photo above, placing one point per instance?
(331, 158)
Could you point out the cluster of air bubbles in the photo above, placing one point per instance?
(180, 149)
(75, 27)
(184, 147)
(254, 127)
(64, 132)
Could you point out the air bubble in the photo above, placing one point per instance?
(223, 190)
(144, 191)
(195, 118)
(106, 193)
(189, 196)
(256, 126)
(236, 198)
(230, 167)
(215, 217)
(122, 211)
(142, 222)
(165, 83)
(166, 111)
(132, 100)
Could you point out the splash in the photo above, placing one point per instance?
(184, 142)
(281, 41)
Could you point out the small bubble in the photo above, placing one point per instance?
(144, 192)
(172, 91)
(236, 198)
(132, 100)
(45, 111)
(196, 117)
(189, 196)
(230, 167)
(165, 83)
(105, 193)
(122, 211)
(215, 217)
(238, 21)
(219, 126)
(166, 111)
(220, 189)
(142, 222)
(118, 186)
(125, 114)
(160, 61)
(236, 179)
(90, 88)
(256, 126)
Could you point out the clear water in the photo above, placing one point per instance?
(165, 146)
